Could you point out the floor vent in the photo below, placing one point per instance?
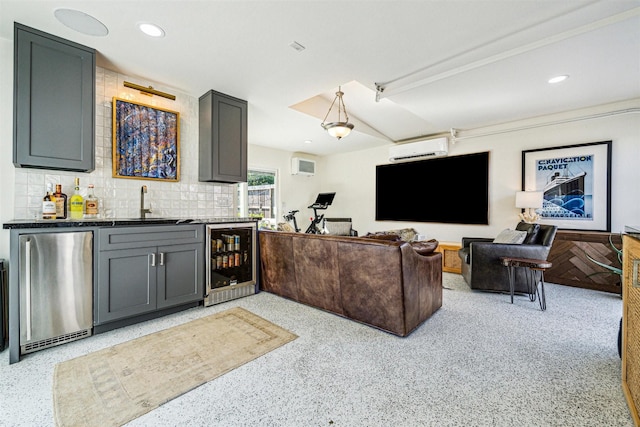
(50, 342)
(228, 293)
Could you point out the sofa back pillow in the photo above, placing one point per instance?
(510, 236)
(532, 232)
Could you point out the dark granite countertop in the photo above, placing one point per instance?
(114, 222)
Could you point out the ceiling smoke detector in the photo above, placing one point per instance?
(297, 46)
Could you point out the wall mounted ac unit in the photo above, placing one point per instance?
(300, 166)
(419, 150)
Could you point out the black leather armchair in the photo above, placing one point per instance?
(480, 258)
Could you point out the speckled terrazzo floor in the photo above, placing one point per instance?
(479, 361)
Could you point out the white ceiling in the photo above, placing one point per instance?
(443, 64)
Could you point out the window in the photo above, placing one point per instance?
(257, 197)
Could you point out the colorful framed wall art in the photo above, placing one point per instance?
(576, 183)
(145, 141)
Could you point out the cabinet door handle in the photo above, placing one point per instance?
(27, 290)
(161, 258)
(636, 268)
(153, 259)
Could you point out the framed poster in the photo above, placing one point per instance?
(145, 141)
(576, 183)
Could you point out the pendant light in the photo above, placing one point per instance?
(338, 129)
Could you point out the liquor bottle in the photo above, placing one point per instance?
(49, 204)
(76, 202)
(91, 204)
(61, 203)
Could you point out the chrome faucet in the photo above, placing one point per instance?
(143, 211)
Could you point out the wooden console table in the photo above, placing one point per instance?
(572, 267)
(450, 258)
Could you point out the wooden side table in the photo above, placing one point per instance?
(536, 269)
(450, 258)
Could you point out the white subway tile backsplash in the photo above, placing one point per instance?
(120, 197)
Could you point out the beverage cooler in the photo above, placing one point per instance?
(231, 261)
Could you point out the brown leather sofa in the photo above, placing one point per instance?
(382, 283)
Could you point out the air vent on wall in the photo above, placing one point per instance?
(300, 166)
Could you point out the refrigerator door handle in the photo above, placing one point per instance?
(27, 291)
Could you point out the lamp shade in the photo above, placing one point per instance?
(529, 199)
(338, 129)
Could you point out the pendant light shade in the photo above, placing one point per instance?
(338, 129)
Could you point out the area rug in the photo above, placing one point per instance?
(113, 386)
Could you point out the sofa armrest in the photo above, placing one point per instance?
(482, 252)
(424, 247)
(422, 285)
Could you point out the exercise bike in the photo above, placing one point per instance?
(322, 202)
(291, 216)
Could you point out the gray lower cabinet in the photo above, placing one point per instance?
(146, 269)
(54, 102)
(222, 135)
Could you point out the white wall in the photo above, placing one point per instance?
(352, 175)
(294, 192)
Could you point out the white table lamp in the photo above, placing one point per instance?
(530, 200)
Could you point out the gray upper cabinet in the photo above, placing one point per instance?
(54, 102)
(223, 138)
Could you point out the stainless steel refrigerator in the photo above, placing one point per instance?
(56, 288)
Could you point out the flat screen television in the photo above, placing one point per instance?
(451, 189)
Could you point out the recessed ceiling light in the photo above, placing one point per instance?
(151, 29)
(558, 79)
(307, 141)
(81, 22)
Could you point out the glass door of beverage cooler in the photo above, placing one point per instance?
(231, 263)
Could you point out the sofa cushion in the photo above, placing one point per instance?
(424, 247)
(389, 237)
(510, 236)
(532, 232)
